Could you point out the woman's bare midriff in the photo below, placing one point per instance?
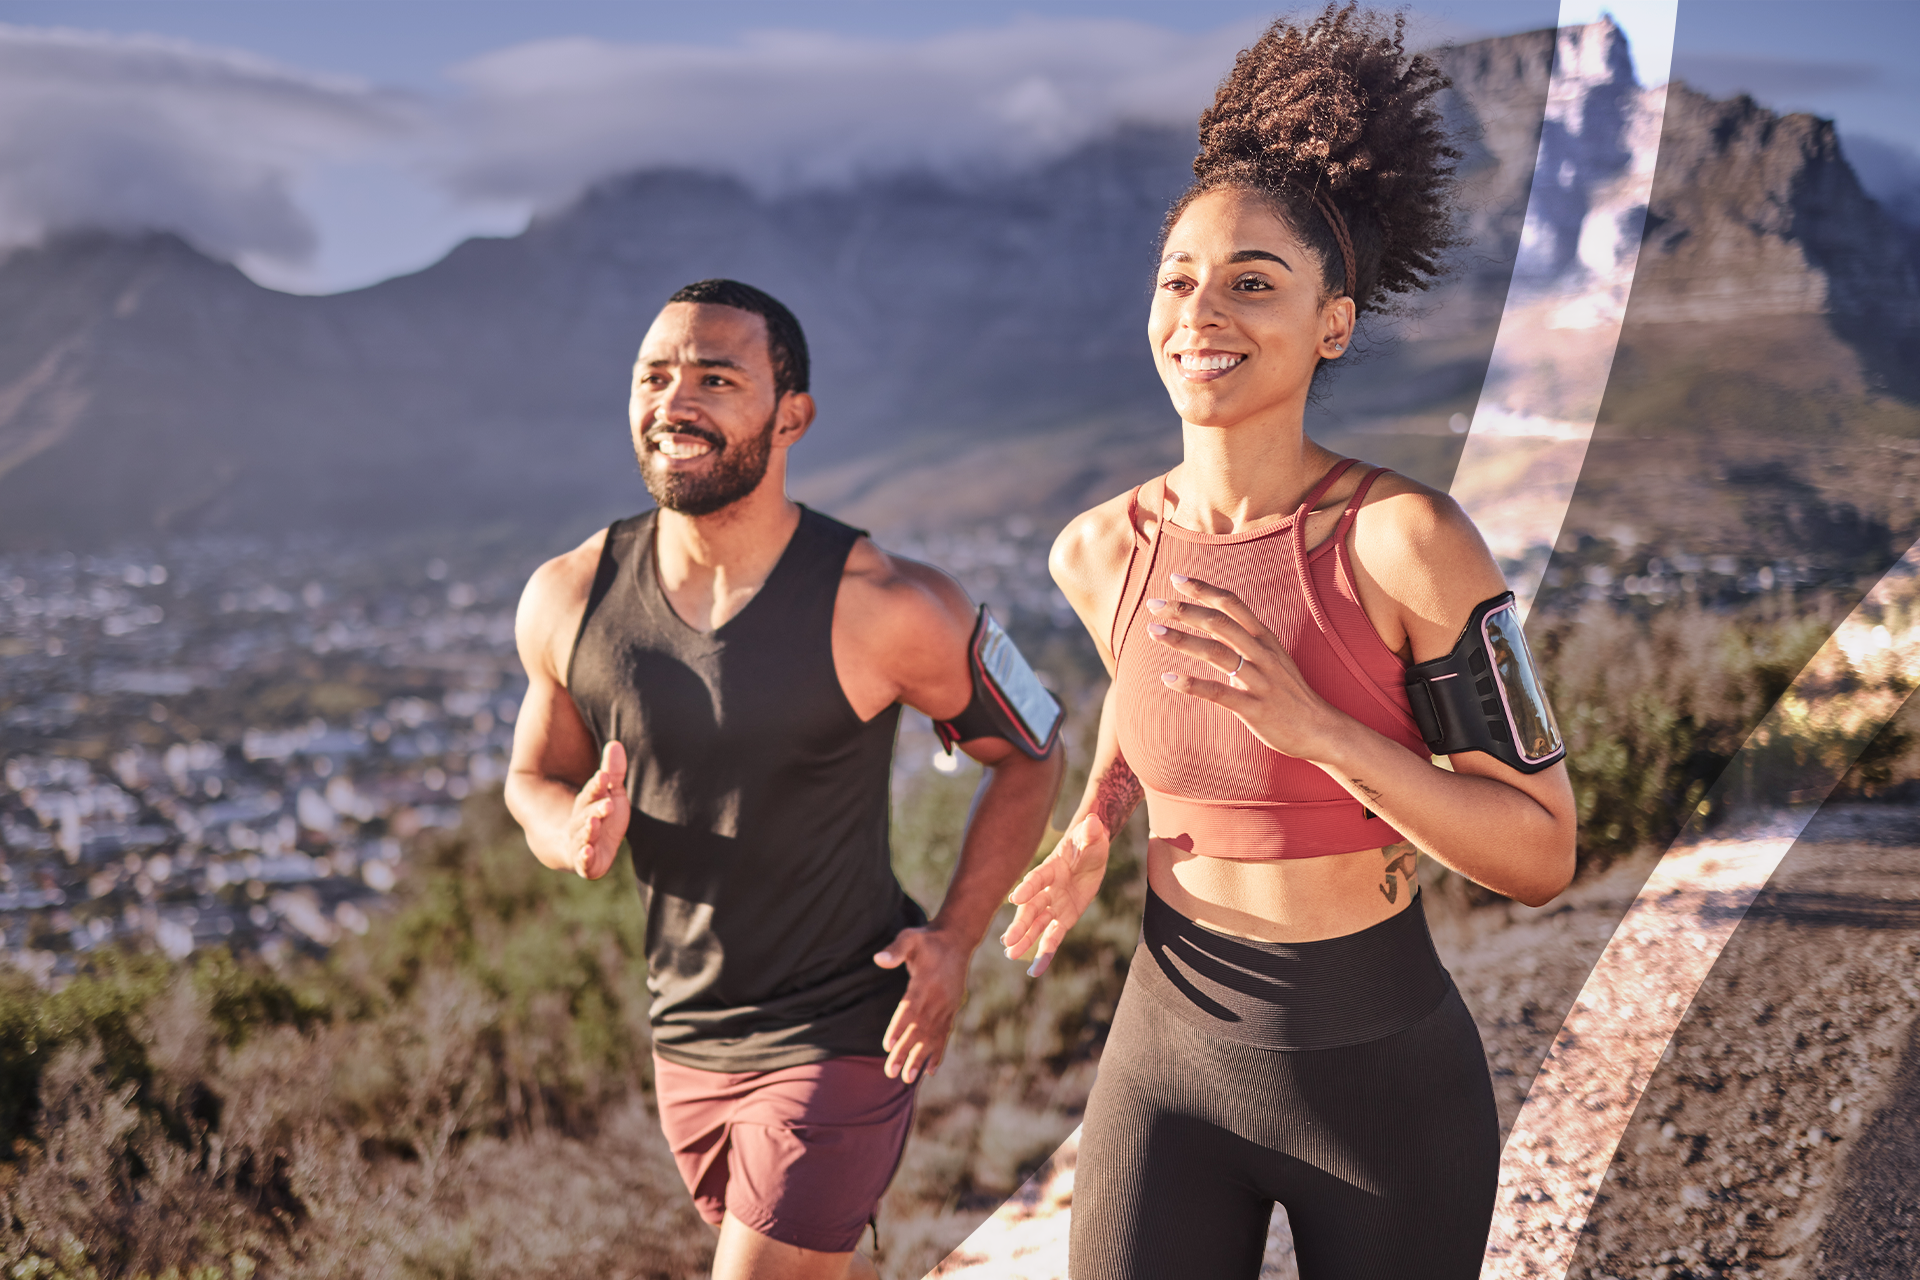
(1283, 900)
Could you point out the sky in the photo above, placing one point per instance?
(328, 144)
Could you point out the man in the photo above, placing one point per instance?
(734, 665)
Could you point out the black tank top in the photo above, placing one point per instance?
(759, 829)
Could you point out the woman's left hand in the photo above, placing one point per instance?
(1260, 683)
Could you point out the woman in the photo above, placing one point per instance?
(1287, 1032)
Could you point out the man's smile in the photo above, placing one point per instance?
(682, 444)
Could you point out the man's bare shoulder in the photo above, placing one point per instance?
(900, 594)
(564, 582)
(551, 605)
(900, 632)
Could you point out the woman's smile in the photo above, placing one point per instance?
(1206, 365)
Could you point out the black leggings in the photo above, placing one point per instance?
(1343, 1079)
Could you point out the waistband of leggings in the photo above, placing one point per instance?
(1296, 996)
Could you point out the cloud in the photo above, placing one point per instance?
(134, 133)
(252, 160)
(312, 182)
(1770, 79)
(540, 121)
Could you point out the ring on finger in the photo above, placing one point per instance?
(1236, 670)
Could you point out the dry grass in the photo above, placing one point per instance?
(345, 1151)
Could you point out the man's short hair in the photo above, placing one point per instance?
(786, 345)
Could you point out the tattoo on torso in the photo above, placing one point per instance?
(1116, 795)
(1402, 859)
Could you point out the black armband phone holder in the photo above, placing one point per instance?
(1486, 695)
(1009, 702)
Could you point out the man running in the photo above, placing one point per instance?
(718, 681)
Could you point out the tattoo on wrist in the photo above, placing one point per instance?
(1402, 860)
(1116, 796)
(1364, 789)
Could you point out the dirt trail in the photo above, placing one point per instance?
(1873, 1229)
(1777, 1137)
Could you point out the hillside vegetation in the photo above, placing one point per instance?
(465, 1091)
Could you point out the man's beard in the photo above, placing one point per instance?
(737, 471)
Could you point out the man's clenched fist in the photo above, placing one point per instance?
(600, 815)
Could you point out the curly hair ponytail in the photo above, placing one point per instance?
(1336, 125)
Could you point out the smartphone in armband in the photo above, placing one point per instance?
(1486, 694)
(1009, 702)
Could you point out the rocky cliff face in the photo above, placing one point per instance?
(1751, 214)
(1764, 407)
(1592, 136)
(145, 388)
(1759, 214)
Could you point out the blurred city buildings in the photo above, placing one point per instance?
(220, 745)
(226, 742)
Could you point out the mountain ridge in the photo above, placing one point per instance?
(146, 389)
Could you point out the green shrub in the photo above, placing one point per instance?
(99, 1006)
(1655, 706)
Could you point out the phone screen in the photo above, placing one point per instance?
(1535, 734)
(1019, 688)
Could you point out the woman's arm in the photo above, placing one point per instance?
(1056, 893)
(1510, 831)
(1089, 563)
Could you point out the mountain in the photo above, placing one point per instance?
(978, 341)
(1763, 401)
(144, 387)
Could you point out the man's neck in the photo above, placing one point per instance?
(711, 566)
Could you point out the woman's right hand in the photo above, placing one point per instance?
(1054, 894)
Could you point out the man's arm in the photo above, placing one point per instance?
(574, 813)
(1009, 817)
(906, 634)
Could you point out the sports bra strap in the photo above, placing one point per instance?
(1122, 615)
(1133, 513)
(1327, 481)
(1360, 493)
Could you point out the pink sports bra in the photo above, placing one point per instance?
(1211, 786)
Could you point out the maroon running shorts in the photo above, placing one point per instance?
(799, 1154)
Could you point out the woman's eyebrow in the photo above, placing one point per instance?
(1259, 255)
(1242, 255)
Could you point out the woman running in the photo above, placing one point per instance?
(1287, 1032)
